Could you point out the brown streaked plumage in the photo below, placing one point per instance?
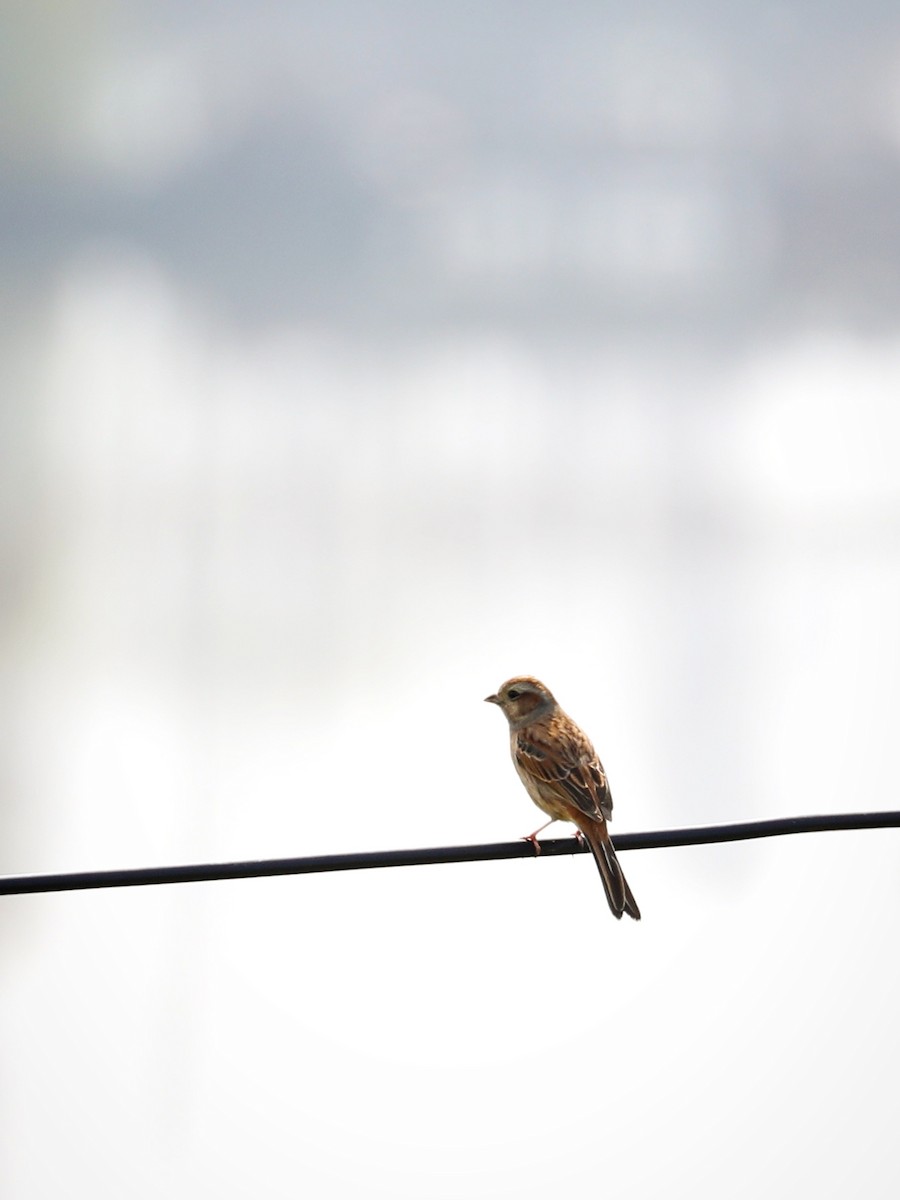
(563, 776)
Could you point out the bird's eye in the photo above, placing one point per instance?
(514, 693)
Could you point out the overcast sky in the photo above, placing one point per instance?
(353, 360)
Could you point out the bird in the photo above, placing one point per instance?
(563, 776)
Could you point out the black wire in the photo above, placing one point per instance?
(12, 885)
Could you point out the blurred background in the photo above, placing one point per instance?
(353, 359)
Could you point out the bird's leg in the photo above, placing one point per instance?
(532, 837)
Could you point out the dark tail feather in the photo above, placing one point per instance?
(618, 893)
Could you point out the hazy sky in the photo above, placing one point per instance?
(353, 360)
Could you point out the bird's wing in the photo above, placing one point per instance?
(565, 759)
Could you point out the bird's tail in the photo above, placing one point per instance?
(618, 893)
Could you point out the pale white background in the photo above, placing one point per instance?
(354, 359)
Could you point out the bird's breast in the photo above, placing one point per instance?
(544, 794)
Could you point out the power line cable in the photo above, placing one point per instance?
(13, 885)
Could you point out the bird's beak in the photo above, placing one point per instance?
(492, 699)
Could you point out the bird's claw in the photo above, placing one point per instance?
(532, 837)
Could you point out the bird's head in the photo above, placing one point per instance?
(522, 699)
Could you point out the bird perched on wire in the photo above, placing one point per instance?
(563, 776)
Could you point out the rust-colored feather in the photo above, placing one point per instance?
(555, 752)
